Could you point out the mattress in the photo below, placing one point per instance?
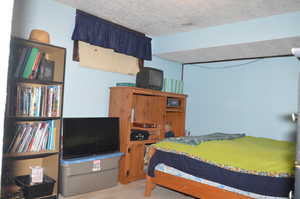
(170, 170)
(259, 184)
(253, 155)
(258, 165)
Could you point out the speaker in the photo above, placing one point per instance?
(139, 135)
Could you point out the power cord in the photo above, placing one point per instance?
(228, 66)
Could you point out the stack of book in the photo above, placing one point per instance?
(33, 137)
(32, 64)
(38, 100)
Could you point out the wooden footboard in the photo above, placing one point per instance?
(195, 189)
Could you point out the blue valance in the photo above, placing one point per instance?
(100, 32)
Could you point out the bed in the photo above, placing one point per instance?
(223, 166)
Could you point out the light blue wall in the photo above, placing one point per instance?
(172, 70)
(274, 27)
(86, 90)
(255, 99)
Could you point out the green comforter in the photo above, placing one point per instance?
(251, 154)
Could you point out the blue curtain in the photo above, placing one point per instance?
(99, 32)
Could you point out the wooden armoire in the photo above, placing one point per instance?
(145, 110)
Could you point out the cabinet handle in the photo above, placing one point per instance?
(132, 119)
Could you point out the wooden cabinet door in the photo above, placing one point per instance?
(148, 108)
(136, 170)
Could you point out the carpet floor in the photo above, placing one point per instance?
(134, 190)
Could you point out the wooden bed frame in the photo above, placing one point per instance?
(190, 187)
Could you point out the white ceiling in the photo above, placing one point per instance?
(243, 50)
(163, 17)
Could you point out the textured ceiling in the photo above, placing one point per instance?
(244, 50)
(161, 17)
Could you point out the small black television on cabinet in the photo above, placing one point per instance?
(84, 137)
(151, 78)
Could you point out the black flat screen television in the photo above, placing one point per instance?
(90, 136)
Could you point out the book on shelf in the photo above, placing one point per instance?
(32, 64)
(38, 100)
(25, 52)
(33, 137)
(24, 139)
(29, 63)
(16, 139)
(35, 66)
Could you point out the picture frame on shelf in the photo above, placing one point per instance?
(46, 70)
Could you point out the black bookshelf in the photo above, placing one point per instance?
(47, 153)
(33, 81)
(33, 118)
(29, 155)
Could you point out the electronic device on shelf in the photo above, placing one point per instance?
(173, 102)
(139, 135)
(151, 78)
(90, 136)
(144, 125)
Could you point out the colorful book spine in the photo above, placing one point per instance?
(33, 137)
(30, 63)
(58, 99)
(38, 101)
(53, 136)
(50, 101)
(35, 65)
(22, 59)
(18, 140)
